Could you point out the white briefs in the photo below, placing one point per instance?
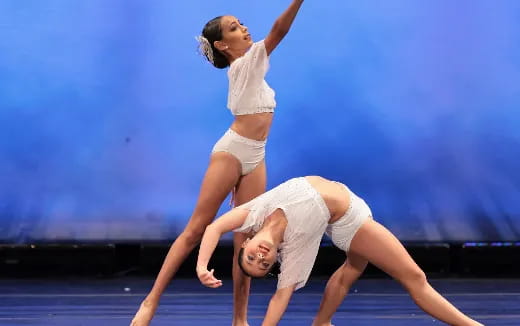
(249, 152)
(343, 230)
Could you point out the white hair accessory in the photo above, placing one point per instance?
(205, 48)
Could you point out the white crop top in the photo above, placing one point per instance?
(307, 216)
(248, 90)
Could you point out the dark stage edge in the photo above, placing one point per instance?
(100, 302)
(145, 259)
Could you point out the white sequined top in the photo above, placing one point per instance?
(248, 90)
(307, 216)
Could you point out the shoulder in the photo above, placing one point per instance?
(257, 49)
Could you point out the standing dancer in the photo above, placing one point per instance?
(237, 160)
(288, 223)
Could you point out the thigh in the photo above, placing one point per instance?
(380, 247)
(251, 185)
(221, 177)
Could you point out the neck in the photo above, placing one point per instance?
(274, 228)
(232, 55)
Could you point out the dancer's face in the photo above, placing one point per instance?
(259, 257)
(235, 37)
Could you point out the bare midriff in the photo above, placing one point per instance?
(253, 126)
(335, 196)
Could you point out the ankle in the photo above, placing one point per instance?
(239, 322)
(321, 323)
(149, 302)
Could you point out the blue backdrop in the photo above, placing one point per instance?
(108, 115)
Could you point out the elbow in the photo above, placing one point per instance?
(210, 228)
(281, 297)
(214, 229)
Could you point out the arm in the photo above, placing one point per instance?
(281, 26)
(226, 223)
(277, 306)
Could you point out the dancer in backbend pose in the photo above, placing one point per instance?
(288, 223)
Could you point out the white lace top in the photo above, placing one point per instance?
(248, 90)
(307, 217)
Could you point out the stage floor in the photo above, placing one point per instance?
(371, 302)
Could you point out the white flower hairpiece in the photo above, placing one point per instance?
(205, 48)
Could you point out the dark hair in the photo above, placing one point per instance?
(275, 267)
(212, 33)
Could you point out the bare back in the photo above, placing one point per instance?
(336, 197)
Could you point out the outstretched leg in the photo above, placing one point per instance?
(221, 176)
(381, 248)
(250, 186)
(338, 286)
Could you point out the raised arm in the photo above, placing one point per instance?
(226, 223)
(277, 306)
(281, 26)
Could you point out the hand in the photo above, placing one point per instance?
(206, 277)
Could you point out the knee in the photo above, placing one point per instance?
(414, 278)
(193, 235)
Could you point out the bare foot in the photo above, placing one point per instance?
(144, 315)
(240, 324)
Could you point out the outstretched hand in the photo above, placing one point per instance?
(207, 278)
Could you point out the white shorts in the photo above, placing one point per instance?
(343, 230)
(249, 152)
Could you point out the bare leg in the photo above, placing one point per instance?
(338, 286)
(222, 175)
(249, 187)
(381, 248)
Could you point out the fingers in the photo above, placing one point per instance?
(212, 281)
(208, 279)
(215, 284)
